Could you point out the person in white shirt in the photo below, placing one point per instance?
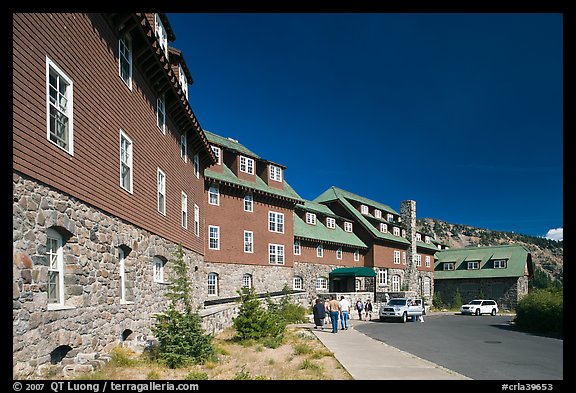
(344, 312)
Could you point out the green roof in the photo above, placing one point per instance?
(259, 185)
(361, 271)
(317, 208)
(322, 233)
(334, 193)
(519, 262)
(228, 143)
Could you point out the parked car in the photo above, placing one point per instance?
(479, 307)
(402, 309)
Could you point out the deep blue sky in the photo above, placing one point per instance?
(460, 112)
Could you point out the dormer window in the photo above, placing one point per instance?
(377, 213)
(396, 231)
(275, 173)
(499, 264)
(390, 217)
(473, 265)
(246, 165)
(330, 222)
(348, 226)
(311, 218)
(418, 237)
(383, 228)
(218, 153)
(404, 233)
(364, 209)
(161, 35)
(427, 239)
(183, 80)
(448, 265)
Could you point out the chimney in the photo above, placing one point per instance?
(408, 213)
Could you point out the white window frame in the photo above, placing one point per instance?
(418, 260)
(377, 213)
(184, 210)
(448, 266)
(297, 250)
(427, 239)
(339, 253)
(403, 232)
(473, 265)
(297, 283)
(390, 217)
(197, 166)
(275, 173)
(125, 57)
(383, 227)
(161, 113)
(212, 283)
(276, 254)
(218, 153)
(161, 182)
(184, 146)
(320, 250)
(196, 220)
(248, 202)
(214, 195)
(246, 165)
(321, 284)
(396, 257)
(395, 283)
(161, 34)
(55, 253)
(66, 110)
(183, 80)
(158, 270)
(126, 160)
(275, 222)
(348, 226)
(427, 260)
(356, 255)
(213, 237)
(404, 257)
(310, 218)
(364, 209)
(418, 237)
(396, 231)
(247, 280)
(249, 242)
(330, 223)
(500, 264)
(382, 277)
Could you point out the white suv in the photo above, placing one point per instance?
(480, 306)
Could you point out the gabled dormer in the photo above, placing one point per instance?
(274, 175)
(180, 68)
(162, 30)
(219, 153)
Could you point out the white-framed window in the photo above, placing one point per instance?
(218, 153)
(126, 154)
(59, 108)
(427, 260)
(427, 239)
(213, 237)
(184, 146)
(297, 283)
(275, 254)
(377, 213)
(183, 80)
(296, 247)
(55, 279)
(248, 202)
(348, 226)
(158, 270)
(339, 253)
(396, 231)
(364, 209)
(161, 34)
(310, 218)
(276, 222)
(383, 228)
(246, 165)
(473, 265)
(404, 233)
(214, 195)
(330, 222)
(248, 241)
(212, 284)
(247, 280)
(358, 284)
(404, 257)
(395, 283)
(356, 255)
(161, 176)
(184, 210)
(382, 277)
(122, 265)
(125, 60)
(448, 266)
(390, 217)
(418, 260)
(161, 113)
(196, 220)
(321, 284)
(396, 257)
(418, 237)
(499, 264)
(197, 166)
(320, 250)
(275, 173)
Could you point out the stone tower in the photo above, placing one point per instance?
(408, 213)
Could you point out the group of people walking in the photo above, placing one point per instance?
(333, 310)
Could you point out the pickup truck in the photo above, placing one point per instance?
(402, 309)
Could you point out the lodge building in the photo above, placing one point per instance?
(112, 172)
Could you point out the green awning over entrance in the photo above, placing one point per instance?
(353, 272)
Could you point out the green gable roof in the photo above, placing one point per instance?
(322, 233)
(334, 193)
(229, 144)
(519, 261)
(317, 208)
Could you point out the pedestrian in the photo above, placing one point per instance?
(334, 307)
(359, 308)
(368, 308)
(327, 320)
(344, 312)
(319, 314)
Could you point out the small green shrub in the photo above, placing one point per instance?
(541, 311)
(196, 376)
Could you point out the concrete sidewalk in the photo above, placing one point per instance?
(368, 359)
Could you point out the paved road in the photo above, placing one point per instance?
(483, 347)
